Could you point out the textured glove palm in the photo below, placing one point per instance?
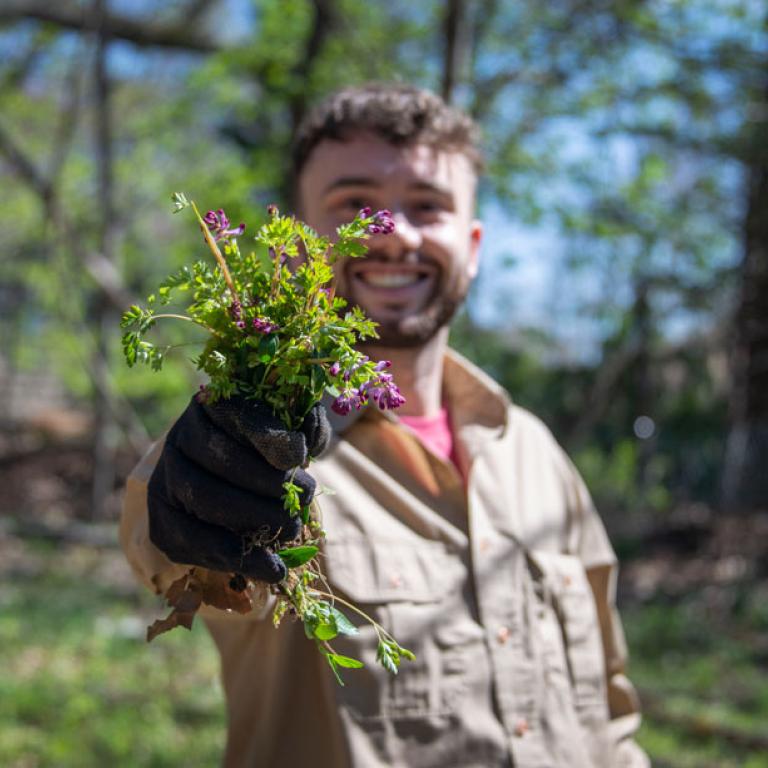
(214, 498)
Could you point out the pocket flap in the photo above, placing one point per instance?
(566, 580)
(389, 571)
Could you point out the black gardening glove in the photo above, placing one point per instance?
(220, 477)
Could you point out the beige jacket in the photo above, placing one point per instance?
(500, 578)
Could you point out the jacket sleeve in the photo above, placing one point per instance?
(151, 567)
(599, 560)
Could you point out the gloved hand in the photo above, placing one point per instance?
(220, 477)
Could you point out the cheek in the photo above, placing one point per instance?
(456, 251)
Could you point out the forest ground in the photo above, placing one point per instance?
(80, 687)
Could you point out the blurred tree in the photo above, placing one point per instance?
(639, 129)
(632, 127)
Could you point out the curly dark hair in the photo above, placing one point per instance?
(398, 113)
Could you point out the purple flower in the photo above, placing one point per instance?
(236, 309)
(262, 325)
(240, 324)
(365, 212)
(383, 223)
(341, 405)
(347, 400)
(202, 394)
(272, 209)
(334, 369)
(218, 225)
(391, 397)
(382, 389)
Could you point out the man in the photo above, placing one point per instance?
(458, 523)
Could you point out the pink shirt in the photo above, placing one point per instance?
(435, 432)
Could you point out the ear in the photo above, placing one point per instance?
(475, 238)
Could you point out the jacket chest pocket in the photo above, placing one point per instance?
(409, 589)
(572, 642)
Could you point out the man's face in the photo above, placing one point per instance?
(411, 282)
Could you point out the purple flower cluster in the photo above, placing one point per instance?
(380, 388)
(236, 312)
(382, 224)
(218, 225)
(262, 325)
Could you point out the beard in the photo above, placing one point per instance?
(416, 329)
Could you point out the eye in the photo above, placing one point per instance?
(427, 208)
(355, 202)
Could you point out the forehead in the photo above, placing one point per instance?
(369, 159)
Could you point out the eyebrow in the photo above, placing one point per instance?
(351, 181)
(370, 181)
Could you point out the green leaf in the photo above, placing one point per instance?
(343, 624)
(406, 654)
(325, 631)
(387, 658)
(130, 316)
(346, 661)
(334, 666)
(293, 557)
(180, 202)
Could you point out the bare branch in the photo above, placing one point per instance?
(24, 167)
(324, 20)
(70, 15)
(453, 22)
(196, 8)
(64, 130)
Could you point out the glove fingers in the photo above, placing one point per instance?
(216, 501)
(185, 539)
(317, 430)
(255, 424)
(206, 444)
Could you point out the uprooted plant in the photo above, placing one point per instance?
(274, 331)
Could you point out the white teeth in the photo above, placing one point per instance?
(390, 279)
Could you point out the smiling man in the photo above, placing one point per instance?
(458, 524)
(412, 283)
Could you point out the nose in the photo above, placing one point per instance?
(406, 239)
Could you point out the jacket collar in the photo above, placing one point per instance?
(478, 406)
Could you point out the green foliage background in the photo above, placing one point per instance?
(626, 131)
(622, 129)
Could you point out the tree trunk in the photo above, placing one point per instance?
(745, 475)
(105, 320)
(454, 44)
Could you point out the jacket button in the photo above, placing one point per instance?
(502, 635)
(521, 727)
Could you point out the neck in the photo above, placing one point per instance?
(418, 371)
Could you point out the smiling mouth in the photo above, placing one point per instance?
(391, 279)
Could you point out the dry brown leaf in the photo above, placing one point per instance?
(185, 597)
(173, 619)
(217, 590)
(202, 587)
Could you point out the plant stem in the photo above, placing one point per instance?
(166, 315)
(375, 624)
(217, 253)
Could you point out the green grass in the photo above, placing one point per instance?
(704, 675)
(80, 687)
